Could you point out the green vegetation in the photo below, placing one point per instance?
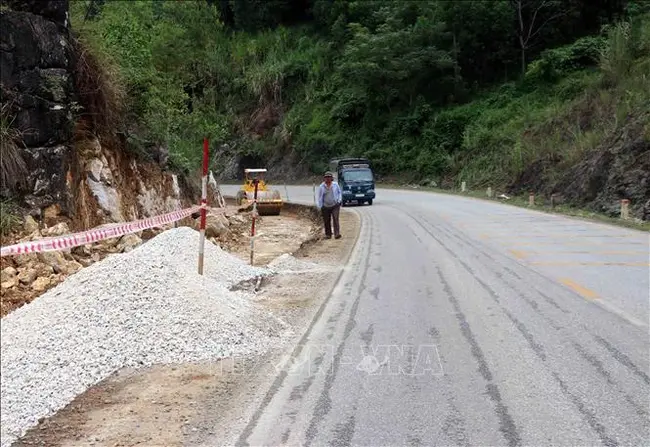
(12, 165)
(438, 90)
(9, 217)
(563, 108)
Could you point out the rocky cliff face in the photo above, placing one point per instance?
(64, 164)
(37, 95)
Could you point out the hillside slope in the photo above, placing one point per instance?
(583, 134)
(435, 92)
(63, 158)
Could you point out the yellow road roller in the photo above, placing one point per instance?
(269, 202)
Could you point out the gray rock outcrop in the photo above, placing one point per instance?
(36, 60)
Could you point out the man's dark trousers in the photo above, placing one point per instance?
(329, 214)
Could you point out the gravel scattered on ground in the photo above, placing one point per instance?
(149, 306)
(287, 263)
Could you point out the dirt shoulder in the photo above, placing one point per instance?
(192, 403)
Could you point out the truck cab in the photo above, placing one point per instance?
(356, 179)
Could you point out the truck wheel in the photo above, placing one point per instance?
(370, 202)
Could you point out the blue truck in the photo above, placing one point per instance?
(355, 177)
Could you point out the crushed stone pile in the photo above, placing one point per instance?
(148, 306)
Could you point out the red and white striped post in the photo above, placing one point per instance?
(204, 204)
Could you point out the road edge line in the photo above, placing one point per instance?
(592, 297)
(296, 349)
(451, 193)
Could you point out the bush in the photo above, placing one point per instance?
(628, 44)
(556, 63)
(13, 169)
(9, 218)
(445, 131)
(100, 88)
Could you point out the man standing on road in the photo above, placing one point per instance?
(329, 202)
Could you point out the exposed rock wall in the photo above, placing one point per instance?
(37, 86)
(75, 171)
(283, 167)
(124, 189)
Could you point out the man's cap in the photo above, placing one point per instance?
(328, 174)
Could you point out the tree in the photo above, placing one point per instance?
(481, 39)
(532, 18)
(397, 61)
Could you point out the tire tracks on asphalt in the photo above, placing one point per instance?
(617, 355)
(324, 403)
(506, 423)
(507, 426)
(362, 246)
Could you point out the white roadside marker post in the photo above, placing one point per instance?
(625, 210)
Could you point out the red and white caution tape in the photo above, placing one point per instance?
(98, 234)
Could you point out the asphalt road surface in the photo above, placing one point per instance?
(466, 322)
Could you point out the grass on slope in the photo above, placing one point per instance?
(9, 217)
(562, 121)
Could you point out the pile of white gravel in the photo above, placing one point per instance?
(148, 306)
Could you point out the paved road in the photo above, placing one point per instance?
(465, 322)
